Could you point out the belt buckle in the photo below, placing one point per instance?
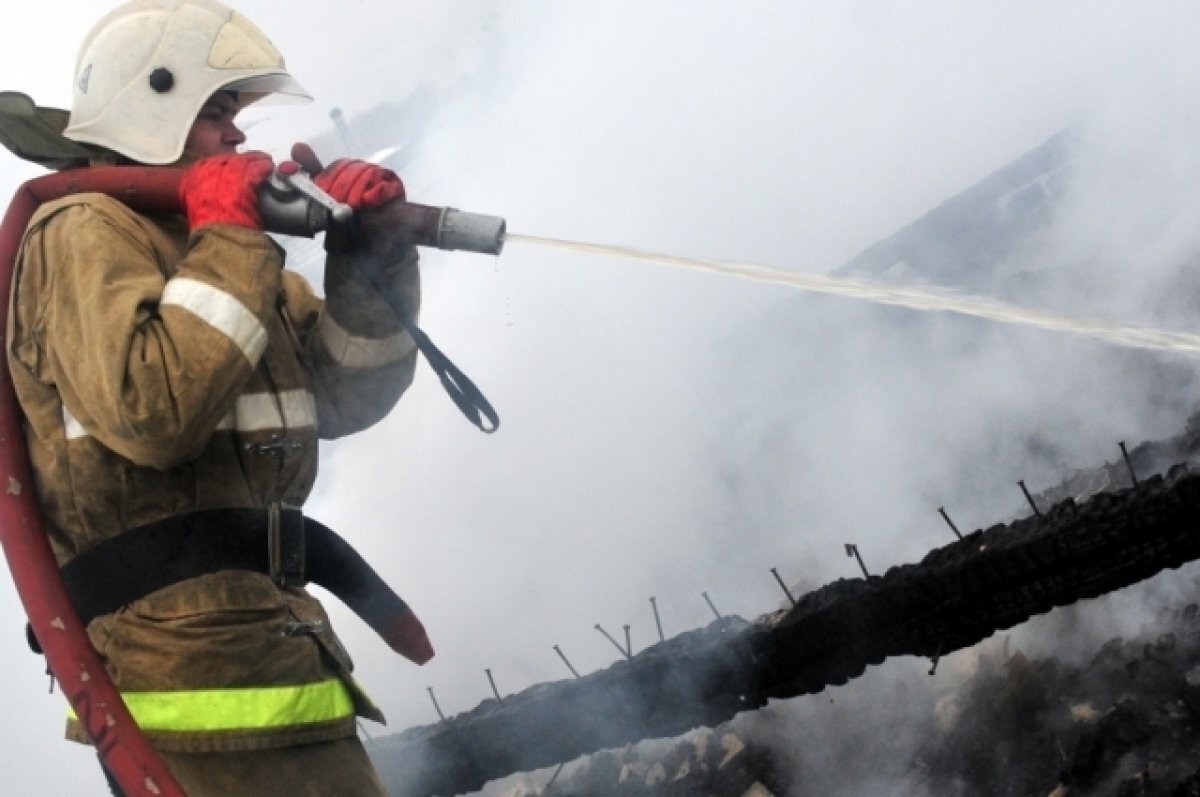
(285, 545)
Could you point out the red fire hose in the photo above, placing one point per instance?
(69, 653)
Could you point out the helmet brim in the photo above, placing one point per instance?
(278, 88)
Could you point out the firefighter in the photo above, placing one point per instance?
(175, 379)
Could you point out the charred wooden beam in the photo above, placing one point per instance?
(956, 596)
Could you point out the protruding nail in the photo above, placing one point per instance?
(949, 522)
(563, 656)
(1128, 463)
(852, 550)
(1029, 498)
(783, 586)
(436, 707)
(492, 681)
(937, 656)
(614, 642)
(657, 620)
(708, 600)
(628, 642)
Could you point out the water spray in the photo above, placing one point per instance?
(911, 297)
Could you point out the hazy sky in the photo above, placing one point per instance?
(792, 134)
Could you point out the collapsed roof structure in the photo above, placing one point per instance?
(956, 596)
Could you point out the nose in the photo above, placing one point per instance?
(233, 135)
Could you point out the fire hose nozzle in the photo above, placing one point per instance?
(472, 232)
(291, 204)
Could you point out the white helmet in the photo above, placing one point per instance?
(145, 71)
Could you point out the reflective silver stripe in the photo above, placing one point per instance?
(255, 412)
(259, 412)
(352, 351)
(299, 408)
(73, 428)
(220, 310)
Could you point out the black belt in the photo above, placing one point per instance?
(140, 561)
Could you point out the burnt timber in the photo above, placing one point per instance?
(955, 597)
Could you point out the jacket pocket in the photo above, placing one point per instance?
(216, 598)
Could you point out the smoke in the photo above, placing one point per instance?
(665, 433)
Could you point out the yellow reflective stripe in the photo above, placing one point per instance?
(246, 708)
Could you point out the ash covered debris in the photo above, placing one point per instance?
(1123, 721)
(720, 761)
(1152, 456)
(956, 596)
(1125, 724)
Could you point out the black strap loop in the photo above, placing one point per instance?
(462, 391)
(466, 396)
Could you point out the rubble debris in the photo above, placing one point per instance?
(1104, 727)
(956, 596)
(707, 762)
(1122, 725)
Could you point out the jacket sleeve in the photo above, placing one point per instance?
(145, 363)
(361, 360)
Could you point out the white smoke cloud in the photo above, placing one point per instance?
(658, 438)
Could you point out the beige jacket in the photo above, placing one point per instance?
(162, 375)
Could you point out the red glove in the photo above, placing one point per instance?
(406, 636)
(360, 184)
(223, 189)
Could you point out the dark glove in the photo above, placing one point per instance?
(406, 635)
(223, 189)
(360, 184)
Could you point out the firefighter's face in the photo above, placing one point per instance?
(214, 131)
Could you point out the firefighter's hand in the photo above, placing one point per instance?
(406, 635)
(223, 189)
(363, 186)
(359, 184)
